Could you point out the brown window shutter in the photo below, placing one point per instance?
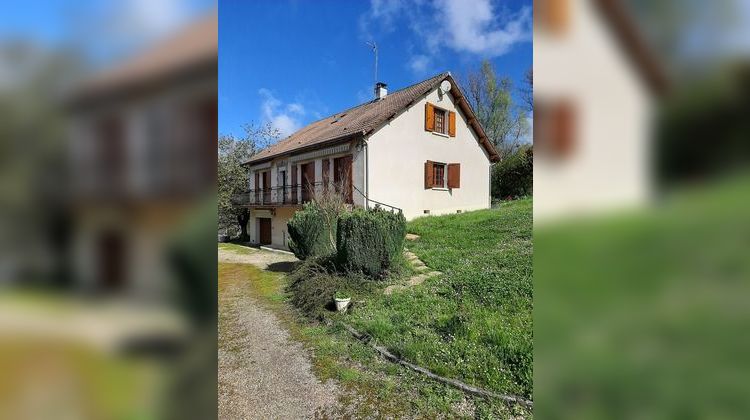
(429, 117)
(555, 128)
(428, 174)
(452, 124)
(326, 165)
(256, 186)
(454, 175)
(294, 183)
(564, 128)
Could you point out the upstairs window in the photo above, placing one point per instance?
(439, 120)
(552, 16)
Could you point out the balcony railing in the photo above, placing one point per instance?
(288, 195)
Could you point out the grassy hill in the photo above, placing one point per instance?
(473, 323)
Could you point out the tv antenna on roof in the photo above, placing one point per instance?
(374, 47)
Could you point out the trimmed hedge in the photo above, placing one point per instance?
(309, 233)
(369, 241)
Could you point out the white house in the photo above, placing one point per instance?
(595, 83)
(420, 150)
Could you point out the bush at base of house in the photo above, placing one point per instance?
(369, 241)
(513, 176)
(310, 235)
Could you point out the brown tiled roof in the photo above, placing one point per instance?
(194, 45)
(363, 119)
(631, 39)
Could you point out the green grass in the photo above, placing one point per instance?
(474, 322)
(645, 314)
(237, 248)
(372, 386)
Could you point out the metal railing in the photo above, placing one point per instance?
(298, 194)
(286, 195)
(377, 203)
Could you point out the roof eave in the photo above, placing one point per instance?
(494, 156)
(341, 139)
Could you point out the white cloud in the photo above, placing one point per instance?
(466, 26)
(296, 108)
(419, 64)
(156, 16)
(283, 118)
(478, 29)
(381, 15)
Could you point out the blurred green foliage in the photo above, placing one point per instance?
(514, 175)
(645, 315)
(704, 128)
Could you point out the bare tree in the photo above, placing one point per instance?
(527, 91)
(232, 175)
(505, 123)
(332, 200)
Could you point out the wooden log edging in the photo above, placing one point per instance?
(452, 382)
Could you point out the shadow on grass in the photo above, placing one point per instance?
(282, 266)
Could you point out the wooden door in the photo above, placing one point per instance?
(111, 261)
(342, 176)
(265, 231)
(308, 181)
(266, 187)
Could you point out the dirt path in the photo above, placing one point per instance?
(263, 373)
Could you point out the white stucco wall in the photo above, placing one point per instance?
(609, 165)
(397, 153)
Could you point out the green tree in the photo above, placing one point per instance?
(491, 97)
(232, 175)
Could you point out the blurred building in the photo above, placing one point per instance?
(595, 85)
(143, 151)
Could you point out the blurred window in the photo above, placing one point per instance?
(552, 15)
(555, 128)
(111, 156)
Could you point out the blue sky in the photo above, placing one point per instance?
(104, 31)
(292, 62)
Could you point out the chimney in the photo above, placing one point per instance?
(381, 89)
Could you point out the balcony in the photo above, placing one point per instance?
(284, 196)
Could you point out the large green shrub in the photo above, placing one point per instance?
(513, 176)
(314, 283)
(369, 241)
(311, 235)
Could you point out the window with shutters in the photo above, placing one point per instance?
(555, 128)
(438, 175)
(552, 16)
(439, 120)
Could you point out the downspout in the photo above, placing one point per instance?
(367, 175)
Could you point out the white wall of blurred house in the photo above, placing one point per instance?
(142, 152)
(595, 82)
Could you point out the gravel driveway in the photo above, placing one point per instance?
(263, 373)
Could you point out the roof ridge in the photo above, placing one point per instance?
(443, 74)
(317, 127)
